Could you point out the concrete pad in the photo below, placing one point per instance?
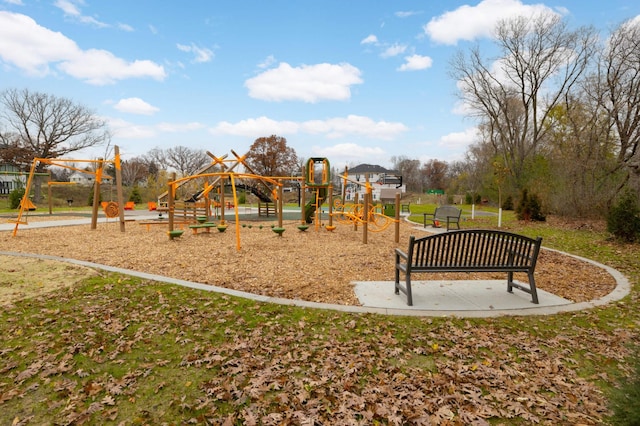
(450, 295)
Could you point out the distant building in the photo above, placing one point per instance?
(11, 178)
(384, 183)
(83, 179)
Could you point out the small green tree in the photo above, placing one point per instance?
(529, 207)
(15, 196)
(135, 195)
(623, 219)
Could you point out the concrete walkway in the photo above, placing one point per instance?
(467, 298)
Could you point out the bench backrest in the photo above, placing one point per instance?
(477, 249)
(447, 211)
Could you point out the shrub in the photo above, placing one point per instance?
(135, 195)
(508, 203)
(529, 207)
(623, 219)
(14, 197)
(625, 397)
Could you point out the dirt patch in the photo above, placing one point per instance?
(315, 265)
(22, 277)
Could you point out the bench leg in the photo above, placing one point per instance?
(408, 288)
(532, 290)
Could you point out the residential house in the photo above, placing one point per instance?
(11, 178)
(384, 183)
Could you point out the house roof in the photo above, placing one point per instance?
(369, 168)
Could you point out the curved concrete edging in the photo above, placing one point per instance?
(622, 289)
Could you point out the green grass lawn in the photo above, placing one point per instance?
(122, 350)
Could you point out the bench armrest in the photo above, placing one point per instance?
(400, 254)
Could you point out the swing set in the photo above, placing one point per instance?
(98, 173)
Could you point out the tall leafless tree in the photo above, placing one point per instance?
(50, 126)
(540, 60)
(620, 89)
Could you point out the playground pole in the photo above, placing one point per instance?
(365, 213)
(171, 200)
(303, 189)
(397, 217)
(119, 194)
(49, 194)
(330, 205)
(96, 196)
(280, 205)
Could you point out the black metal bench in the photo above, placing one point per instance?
(445, 214)
(476, 250)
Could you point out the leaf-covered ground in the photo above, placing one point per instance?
(123, 351)
(117, 350)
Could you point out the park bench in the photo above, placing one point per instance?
(475, 250)
(443, 214)
(405, 208)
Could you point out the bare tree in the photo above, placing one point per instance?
(410, 171)
(49, 126)
(46, 126)
(134, 171)
(620, 88)
(186, 161)
(270, 156)
(435, 173)
(540, 60)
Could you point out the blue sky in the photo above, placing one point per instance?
(356, 81)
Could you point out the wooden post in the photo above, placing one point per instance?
(280, 205)
(303, 206)
(365, 215)
(356, 199)
(119, 194)
(330, 189)
(171, 200)
(49, 194)
(222, 221)
(96, 195)
(397, 218)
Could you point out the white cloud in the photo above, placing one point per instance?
(459, 141)
(338, 127)
(201, 54)
(71, 9)
(406, 14)
(256, 127)
(135, 106)
(15, 2)
(394, 50)
(34, 49)
(179, 127)
(416, 63)
(471, 22)
(370, 39)
(123, 129)
(307, 83)
(347, 152)
(125, 27)
(268, 61)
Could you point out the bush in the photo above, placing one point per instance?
(625, 397)
(14, 198)
(529, 207)
(508, 203)
(135, 195)
(623, 219)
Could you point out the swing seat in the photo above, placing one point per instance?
(130, 205)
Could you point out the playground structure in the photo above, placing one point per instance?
(25, 203)
(372, 217)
